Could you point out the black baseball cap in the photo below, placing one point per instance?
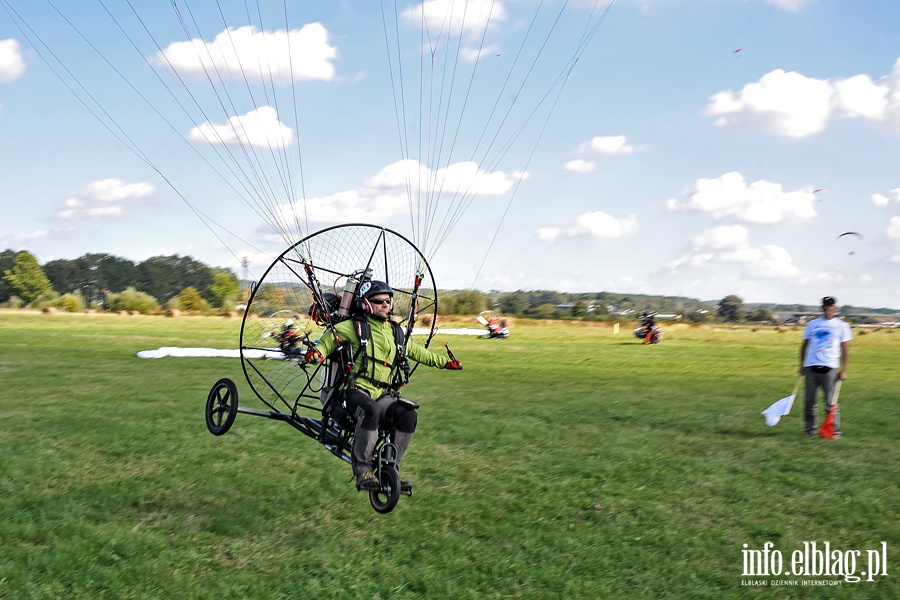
(828, 301)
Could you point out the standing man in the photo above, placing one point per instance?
(823, 361)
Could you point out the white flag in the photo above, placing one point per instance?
(781, 408)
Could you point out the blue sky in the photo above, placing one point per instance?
(696, 147)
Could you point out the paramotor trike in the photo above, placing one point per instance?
(649, 331)
(306, 291)
(496, 327)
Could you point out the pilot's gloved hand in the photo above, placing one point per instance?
(453, 365)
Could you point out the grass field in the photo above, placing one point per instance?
(562, 462)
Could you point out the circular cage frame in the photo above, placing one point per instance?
(301, 276)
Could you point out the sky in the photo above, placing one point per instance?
(696, 148)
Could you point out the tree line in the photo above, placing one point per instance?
(551, 304)
(115, 283)
(107, 282)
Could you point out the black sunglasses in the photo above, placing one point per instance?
(380, 301)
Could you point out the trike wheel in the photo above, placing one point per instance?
(385, 499)
(221, 406)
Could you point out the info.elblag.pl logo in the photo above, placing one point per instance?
(815, 560)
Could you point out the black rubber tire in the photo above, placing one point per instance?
(384, 500)
(221, 406)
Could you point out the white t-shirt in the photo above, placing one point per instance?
(825, 338)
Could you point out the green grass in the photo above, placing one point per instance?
(563, 462)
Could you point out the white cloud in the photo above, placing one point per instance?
(467, 21)
(245, 52)
(464, 178)
(893, 229)
(347, 206)
(610, 144)
(761, 202)
(385, 195)
(602, 145)
(259, 127)
(786, 103)
(789, 4)
(730, 246)
(580, 166)
(12, 66)
(597, 224)
(724, 237)
(893, 234)
(892, 197)
(859, 96)
(27, 236)
(105, 198)
(471, 18)
(794, 105)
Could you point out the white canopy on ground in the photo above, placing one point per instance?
(255, 353)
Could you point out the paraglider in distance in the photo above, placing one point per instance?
(851, 233)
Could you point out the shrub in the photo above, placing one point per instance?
(71, 303)
(48, 299)
(131, 299)
(67, 302)
(189, 300)
(14, 302)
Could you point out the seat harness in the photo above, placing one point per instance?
(400, 370)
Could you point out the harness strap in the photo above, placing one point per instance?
(376, 383)
(364, 334)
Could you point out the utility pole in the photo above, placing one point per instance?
(245, 276)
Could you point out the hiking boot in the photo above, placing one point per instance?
(367, 482)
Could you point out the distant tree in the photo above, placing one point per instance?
(224, 290)
(166, 276)
(65, 275)
(760, 314)
(269, 298)
(579, 309)
(600, 310)
(113, 273)
(106, 272)
(514, 303)
(470, 302)
(6, 263)
(626, 303)
(26, 279)
(696, 316)
(92, 273)
(544, 311)
(731, 308)
(539, 297)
